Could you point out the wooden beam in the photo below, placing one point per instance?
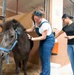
(50, 16)
(47, 9)
(16, 7)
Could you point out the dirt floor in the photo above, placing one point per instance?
(9, 69)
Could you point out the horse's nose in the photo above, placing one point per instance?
(2, 54)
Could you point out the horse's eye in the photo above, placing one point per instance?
(11, 36)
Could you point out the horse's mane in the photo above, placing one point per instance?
(12, 23)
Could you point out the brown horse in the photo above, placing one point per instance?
(14, 37)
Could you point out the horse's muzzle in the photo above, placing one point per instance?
(3, 54)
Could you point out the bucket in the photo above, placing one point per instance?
(55, 48)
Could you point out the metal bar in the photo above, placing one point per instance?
(45, 2)
(44, 5)
(4, 10)
(0, 66)
(17, 7)
(47, 9)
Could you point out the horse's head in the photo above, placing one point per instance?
(9, 37)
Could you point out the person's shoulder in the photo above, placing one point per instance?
(65, 26)
(44, 20)
(72, 24)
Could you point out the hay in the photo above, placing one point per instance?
(9, 69)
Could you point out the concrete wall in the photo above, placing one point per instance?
(57, 11)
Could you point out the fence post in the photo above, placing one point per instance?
(0, 66)
(1, 18)
(4, 10)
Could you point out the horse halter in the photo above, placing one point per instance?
(8, 50)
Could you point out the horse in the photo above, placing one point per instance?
(15, 39)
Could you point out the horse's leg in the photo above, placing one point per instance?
(24, 62)
(18, 66)
(0, 66)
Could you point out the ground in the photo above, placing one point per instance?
(33, 69)
(9, 69)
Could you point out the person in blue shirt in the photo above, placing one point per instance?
(46, 38)
(69, 30)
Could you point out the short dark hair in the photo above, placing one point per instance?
(66, 15)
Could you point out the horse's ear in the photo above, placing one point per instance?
(14, 21)
(15, 24)
(24, 29)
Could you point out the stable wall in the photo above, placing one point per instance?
(24, 19)
(56, 12)
(8, 13)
